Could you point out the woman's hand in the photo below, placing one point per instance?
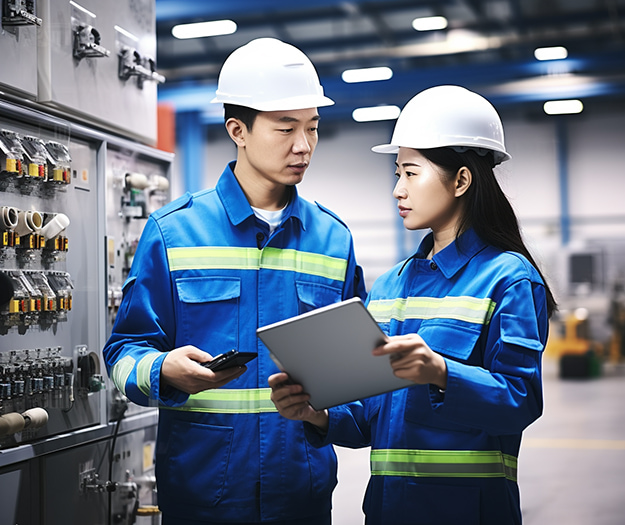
(182, 369)
(411, 358)
(292, 402)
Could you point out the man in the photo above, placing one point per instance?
(209, 269)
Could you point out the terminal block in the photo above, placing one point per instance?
(59, 170)
(11, 153)
(36, 157)
(33, 163)
(9, 216)
(39, 377)
(38, 298)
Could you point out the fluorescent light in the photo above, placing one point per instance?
(563, 107)
(121, 30)
(203, 29)
(429, 23)
(375, 113)
(83, 9)
(369, 74)
(551, 53)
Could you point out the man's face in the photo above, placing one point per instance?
(280, 145)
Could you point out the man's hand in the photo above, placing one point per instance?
(411, 358)
(292, 402)
(182, 370)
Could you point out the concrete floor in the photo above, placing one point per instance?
(572, 460)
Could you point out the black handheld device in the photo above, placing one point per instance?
(229, 359)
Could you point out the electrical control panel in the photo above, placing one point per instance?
(73, 204)
(48, 261)
(78, 181)
(98, 60)
(18, 41)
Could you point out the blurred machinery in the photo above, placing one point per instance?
(569, 341)
(588, 333)
(78, 178)
(616, 320)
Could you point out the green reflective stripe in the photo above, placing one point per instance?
(444, 463)
(470, 309)
(121, 372)
(304, 262)
(218, 257)
(143, 373)
(230, 401)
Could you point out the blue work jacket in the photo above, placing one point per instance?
(207, 273)
(451, 457)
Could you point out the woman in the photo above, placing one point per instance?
(467, 320)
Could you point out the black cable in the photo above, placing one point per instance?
(110, 484)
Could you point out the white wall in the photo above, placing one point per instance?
(597, 175)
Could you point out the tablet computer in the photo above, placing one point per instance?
(328, 352)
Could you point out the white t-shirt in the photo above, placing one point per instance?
(273, 218)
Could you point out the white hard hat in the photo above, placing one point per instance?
(269, 75)
(448, 116)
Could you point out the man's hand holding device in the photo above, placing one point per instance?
(180, 368)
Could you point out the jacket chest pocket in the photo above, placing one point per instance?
(209, 312)
(452, 339)
(455, 341)
(314, 295)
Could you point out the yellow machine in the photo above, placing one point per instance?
(579, 356)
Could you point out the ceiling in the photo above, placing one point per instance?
(487, 46)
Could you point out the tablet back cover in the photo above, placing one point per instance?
(328, 351)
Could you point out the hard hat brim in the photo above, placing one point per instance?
(295, 103)
(500, 156)
(385, 148)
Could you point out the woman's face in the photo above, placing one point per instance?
(425, 198)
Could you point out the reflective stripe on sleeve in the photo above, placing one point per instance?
(230, 401)
(469, 309)
(223, 257)
(444, 463)
(121, 372)
(143, 373)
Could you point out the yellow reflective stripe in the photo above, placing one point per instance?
(464, 308)
(143, 373)
(223, 257)
(121, 372)
(304, 262)
(444, 463)
(203, 258)
(230, 401)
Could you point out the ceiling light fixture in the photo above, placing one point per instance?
(368, 74)
(429, 23)
(375, 113)
(83, 9)
(563, 107)
(551, 53)
(126, 33)
(204, 29)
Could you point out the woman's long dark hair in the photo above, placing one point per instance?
(487, 209)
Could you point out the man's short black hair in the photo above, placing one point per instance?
(242, 113)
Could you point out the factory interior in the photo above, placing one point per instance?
(106, 116)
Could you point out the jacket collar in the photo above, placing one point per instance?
(237, 206)
(455, 256)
